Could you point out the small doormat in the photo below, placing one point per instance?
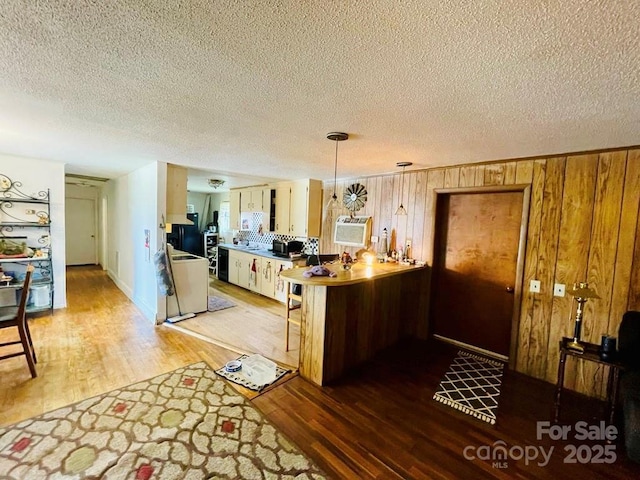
(472, 385)
(218, 303)
(241, 379)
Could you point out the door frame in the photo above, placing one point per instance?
(522, 244)
(96, 235)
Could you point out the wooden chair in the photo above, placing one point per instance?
(16, 317)
(294, 302)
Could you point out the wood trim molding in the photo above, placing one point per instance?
(525, 188)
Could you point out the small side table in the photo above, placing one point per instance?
(592, 354)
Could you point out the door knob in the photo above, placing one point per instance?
(509, 289)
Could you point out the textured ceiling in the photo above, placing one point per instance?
(252, 88)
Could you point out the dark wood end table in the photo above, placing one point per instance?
(592, 354)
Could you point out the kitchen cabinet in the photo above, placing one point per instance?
(299, 208)
(265, 279)
(25, 239)
(176, 195)
(268, 277)
(251, 200)
(239, 268)
(280, 286)
(283, 201)
(254, 263)
(234, 209)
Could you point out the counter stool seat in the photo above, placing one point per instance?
(293, 302)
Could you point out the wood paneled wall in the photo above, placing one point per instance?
(583, 226)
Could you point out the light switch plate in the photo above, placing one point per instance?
(374, 239)
(558, 290)
(534, 286)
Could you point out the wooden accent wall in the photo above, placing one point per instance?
(583, 226)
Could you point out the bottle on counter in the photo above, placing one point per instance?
(382, 251)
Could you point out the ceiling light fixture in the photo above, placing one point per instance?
(215, 182)
(401, 210)
(337, 137)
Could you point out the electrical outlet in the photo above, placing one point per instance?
(534, 286)
(409, 243)
(374, 239)
(558, 290)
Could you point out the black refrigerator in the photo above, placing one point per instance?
(187, 237)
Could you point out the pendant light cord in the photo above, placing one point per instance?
(335, 171)
(402, 186)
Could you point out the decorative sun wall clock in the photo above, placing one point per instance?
(355, 196)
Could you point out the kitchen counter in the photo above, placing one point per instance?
(260, 252)
(347, 319)
(358, 273)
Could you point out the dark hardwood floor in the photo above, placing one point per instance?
(380, 422)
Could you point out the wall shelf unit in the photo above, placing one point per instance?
(25, 239)
(211, 251)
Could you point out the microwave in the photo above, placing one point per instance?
(282, 248)
(352, 231)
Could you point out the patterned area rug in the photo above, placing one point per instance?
(472, 385)
(241, 379)
(218, 303)
(186, 424)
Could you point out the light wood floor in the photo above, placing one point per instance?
(255, 325)
(377, 423)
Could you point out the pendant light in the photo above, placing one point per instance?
(333, 203)
(401, 210)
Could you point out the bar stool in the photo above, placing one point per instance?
(293, 302)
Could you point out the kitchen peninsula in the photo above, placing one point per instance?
(348, 318)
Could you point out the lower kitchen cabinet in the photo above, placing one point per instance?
(255, 273)
(268, 277)
(258, 274)
(239, 268)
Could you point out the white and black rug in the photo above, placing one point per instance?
(241, 379)
(472, 385)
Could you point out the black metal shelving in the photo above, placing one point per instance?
(28, 229)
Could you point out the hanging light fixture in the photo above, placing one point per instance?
(333, 203)
(401, 210)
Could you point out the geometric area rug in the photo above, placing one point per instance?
(185, 424)
(472, 385)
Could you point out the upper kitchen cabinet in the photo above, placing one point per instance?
(177, 195)
(299, 208)
(234, 209)
(251, 200)
(283, 200)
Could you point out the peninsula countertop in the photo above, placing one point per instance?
(359, 272)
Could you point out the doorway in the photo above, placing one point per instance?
(80, 237)
(480, 236)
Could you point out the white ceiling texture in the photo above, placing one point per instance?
(247, 90)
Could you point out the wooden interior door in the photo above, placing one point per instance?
(477, 241)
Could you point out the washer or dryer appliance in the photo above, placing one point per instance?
(191, 278)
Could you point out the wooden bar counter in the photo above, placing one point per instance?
(347, 319)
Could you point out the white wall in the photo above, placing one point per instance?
(134, 204)
(36, 175)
